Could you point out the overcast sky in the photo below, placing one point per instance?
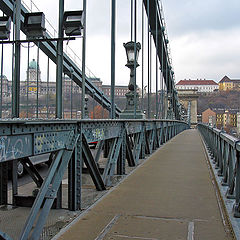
(204, 38)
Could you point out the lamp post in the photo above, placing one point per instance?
(129, 111)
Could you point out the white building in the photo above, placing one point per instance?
(201, 85)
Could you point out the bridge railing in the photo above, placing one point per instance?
(68, 141)
(225, 153)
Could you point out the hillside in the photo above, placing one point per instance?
(223, 100)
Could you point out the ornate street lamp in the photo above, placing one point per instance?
(129, 47)
(5, 27)
(128, 112)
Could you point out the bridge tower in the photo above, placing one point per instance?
(186, 96)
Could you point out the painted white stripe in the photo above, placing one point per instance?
(132, 237)
(107, 228)
(190, 231)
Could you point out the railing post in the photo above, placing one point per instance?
(122, 155)
(232, 160)
(237, 189)
(143, 147)
(3, 183)
(75, 175)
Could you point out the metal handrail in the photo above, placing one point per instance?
(225, 152)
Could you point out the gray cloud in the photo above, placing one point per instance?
(193, 16)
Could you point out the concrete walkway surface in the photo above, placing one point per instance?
(170, 196)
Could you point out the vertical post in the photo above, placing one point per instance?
(122, 155)
(102, 105)
(93, 105)
(37, 79)
(142, 52)
(63, 94)
(1, 97)
(83, 59)
(14, 180)
(59, 94)
(156, 63)
(71, 96)
(148, 28)
(135, 58)
(28, 75)
(162, 70)
(237, 188)
(48, 88)
(150, 73)
(3, 183)
(72, 182)
(113, 37)
(131, 9)
(16, 74)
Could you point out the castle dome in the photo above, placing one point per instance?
(33, 65)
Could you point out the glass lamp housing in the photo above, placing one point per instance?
(5, 27)
(34, 24)
(129, 47)
(73, 23)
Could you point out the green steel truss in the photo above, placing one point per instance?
(68, 143)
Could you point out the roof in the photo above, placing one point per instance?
(33, 65)
(209, 109)
(222, 111)
(197, 82)
(227, 79)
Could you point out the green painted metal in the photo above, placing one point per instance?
(3, 183)
(59, 69)
(40, 197)
(113, 57)
(37, 80)
(16, 74)
(224, 151)
(151, 6)
(92, 165)
(32, 171)
(1, 77)
(68, 140)
(130, 140)
(83, 113)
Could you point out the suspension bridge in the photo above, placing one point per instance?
(175, 182)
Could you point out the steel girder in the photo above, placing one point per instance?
(162, 52)
(224, 151)
(68, 143)
(50, 49)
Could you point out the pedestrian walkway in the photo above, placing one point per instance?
(171, 196)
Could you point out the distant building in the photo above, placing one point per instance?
(226, 118)
(227, 84)
(219, 118)
(29, 86)
(201, 85)
(209, 117)
(120, 91)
